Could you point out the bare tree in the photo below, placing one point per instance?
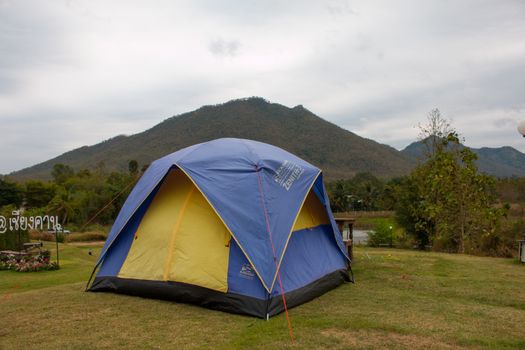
(436, 130)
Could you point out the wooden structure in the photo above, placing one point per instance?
(346, 227)
(521, 250)
(15, 253)
(28, 250)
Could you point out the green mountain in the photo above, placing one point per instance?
(500, 162)
(339, 152)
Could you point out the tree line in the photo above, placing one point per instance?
(75, 197)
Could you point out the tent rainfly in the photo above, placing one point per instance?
(230, 224)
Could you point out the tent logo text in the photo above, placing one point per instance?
(247, 271)
(287, 173)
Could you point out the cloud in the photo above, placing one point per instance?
(74, 73)
(504, 122)
(338, 7)
(220, 47)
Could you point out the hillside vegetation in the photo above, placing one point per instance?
(340, 153)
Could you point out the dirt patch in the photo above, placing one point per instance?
(375, 339)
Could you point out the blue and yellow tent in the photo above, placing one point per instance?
(229, 224)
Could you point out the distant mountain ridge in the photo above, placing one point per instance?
(338, 152)
(500, 162)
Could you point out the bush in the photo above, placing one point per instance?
(86, 237)
(93, 228)
(381, 235)
(503, 242)
(91, 236)
(9, 240)
(45, 236)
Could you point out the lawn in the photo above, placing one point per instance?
(402, 299)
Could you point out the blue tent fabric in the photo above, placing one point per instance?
(239, 165)
(257, 190)
(311, 254)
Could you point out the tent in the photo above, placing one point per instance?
(230, 224)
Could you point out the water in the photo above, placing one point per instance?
(360, 236)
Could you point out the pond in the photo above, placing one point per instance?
(360, 236)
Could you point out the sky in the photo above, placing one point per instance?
(75, 73)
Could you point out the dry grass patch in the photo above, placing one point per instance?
(373, 339)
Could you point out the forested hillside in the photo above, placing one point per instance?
(339, 152)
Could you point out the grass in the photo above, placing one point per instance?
(402, 299)
(368, 220)
(88, 236)
(370, 223)
(75, 262)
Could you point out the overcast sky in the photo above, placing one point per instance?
(75, 73)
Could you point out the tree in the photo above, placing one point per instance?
(447, 201)
(38, 194)
(10, 193)
(133, 167)
(363, 192)
(61, 173)
(339, 196)
(61, 206)
(411, 211)
(434, 132)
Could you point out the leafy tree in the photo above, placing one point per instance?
(390, 193)
(10, 193)
(411, 210)
(339, 195)
(61, 173)
(448, 201)
(61, 205)
(363, 192)
(84, 173)
(38, 194)
(133, 167)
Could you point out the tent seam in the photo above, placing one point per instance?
(291, 229)
(171, 246)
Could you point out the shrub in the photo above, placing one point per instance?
(90, 236)
(9, 240)
(86, 237)
(381, 235)
(93, 228)
(502, 242)
(44, 236)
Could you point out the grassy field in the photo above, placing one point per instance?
(402, 300)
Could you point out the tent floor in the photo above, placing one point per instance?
(229, 302)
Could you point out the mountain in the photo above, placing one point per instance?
(501, 162)
(339, 152)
